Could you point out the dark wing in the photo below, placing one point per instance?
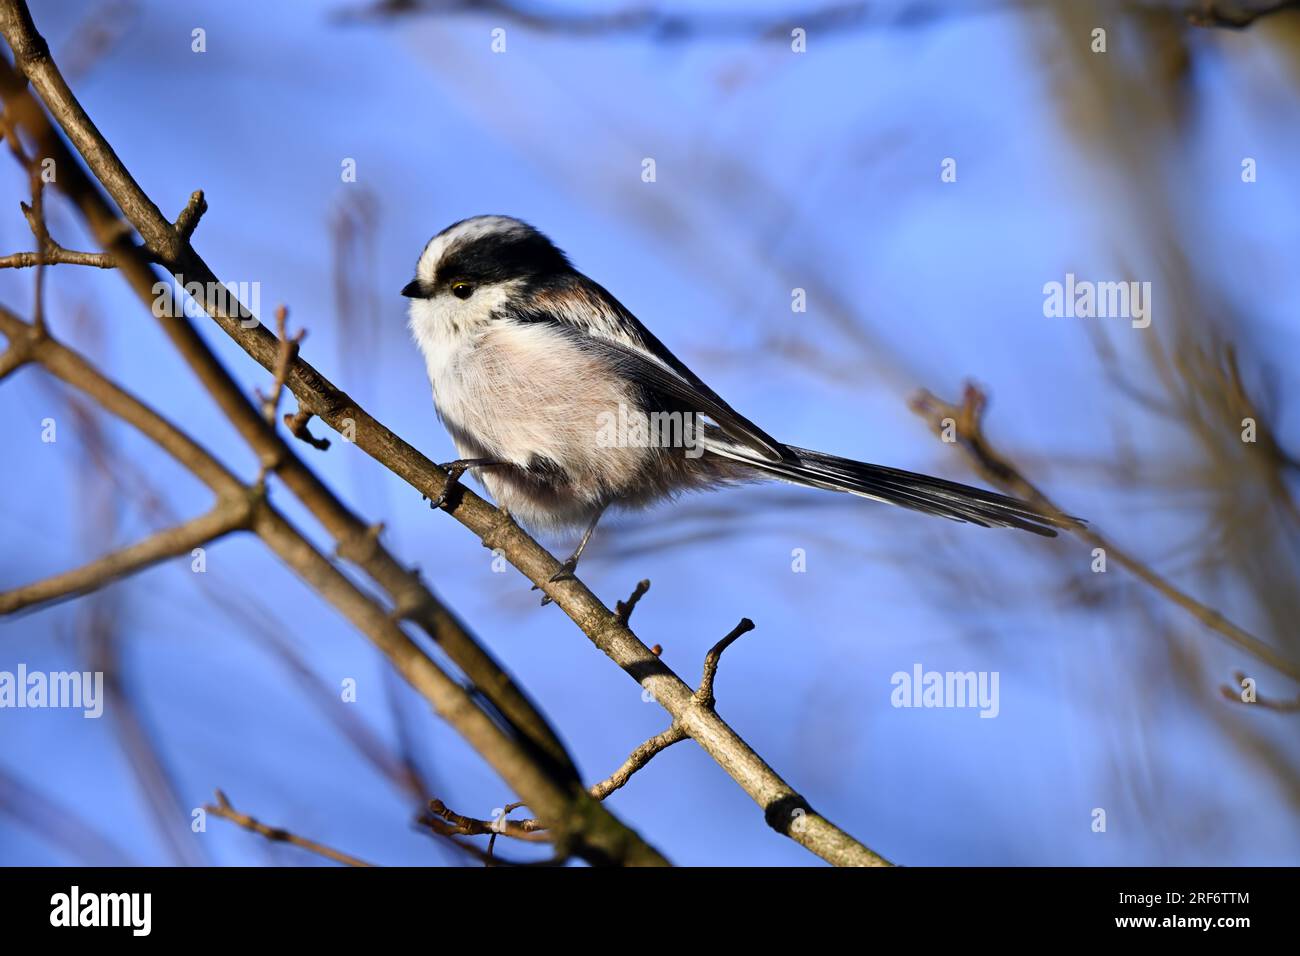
(599, 323)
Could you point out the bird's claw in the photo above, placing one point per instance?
(565, 573)
(454, 471)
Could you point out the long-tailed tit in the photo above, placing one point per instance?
(567, 405)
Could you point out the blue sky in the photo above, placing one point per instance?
(774, 170)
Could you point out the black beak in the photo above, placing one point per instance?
(413, 290)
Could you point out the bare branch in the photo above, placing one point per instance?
(674, 734)
(1233, 694)
(14, 357)
(223, 809)
(297, 425)
(534, 830)
(636, 760)
(529, 830)
(189, 217)
(623, 609)
(55, 255)
(714, 657)
(1235, 14)
(288, 352)
(35, 216)
(230, 514)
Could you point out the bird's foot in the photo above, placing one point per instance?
(567, 567)
(454, 470)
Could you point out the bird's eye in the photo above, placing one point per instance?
(462, 290)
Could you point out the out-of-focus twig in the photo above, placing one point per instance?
(223, 809)
(662, 24)
(1281, 706)
(1234, 14)
(228, 515)
(461, 825)
(63, 825)
(967, 422)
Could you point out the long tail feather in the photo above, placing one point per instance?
(935, 496)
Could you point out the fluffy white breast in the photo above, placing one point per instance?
(447, 330)
(522, 392)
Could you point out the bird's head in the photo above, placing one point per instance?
(473, 266)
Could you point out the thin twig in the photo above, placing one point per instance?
(529, 830)
(297, 425)
(223, 809)
(1280, 706)
(189, 217)
(288, 352)
(623, 609)
(638, 759)
(56, 255)
(229, 515)
(674, 734)
(714, 657)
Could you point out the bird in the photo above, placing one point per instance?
(564, 405)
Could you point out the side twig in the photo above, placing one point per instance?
(230, 514)
(223, 809)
